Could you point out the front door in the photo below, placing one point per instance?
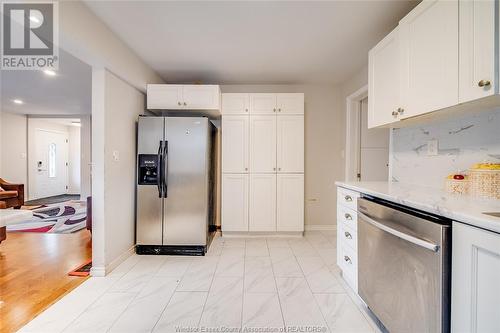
(49, 164)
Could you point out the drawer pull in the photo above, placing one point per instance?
(348, 216)
(348, 198)
(348, 260)
(348, 235)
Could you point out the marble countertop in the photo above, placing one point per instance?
(456, 207)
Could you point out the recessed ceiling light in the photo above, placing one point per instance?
(18, 101)
(49, 72)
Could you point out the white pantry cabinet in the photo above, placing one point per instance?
(235, 103)
(262, 211)
(263, 103)
(383, 77)
(183, 97)
(235, 144)
(475, 280)
(292, 103)
(262, 144)
(477, 49)
(290, 139)
(428, 38)
(234, 202)
(290, 202)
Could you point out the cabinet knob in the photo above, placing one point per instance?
(179, 103)
(274, 110)
(279, 169)
(401, 110)
(185, 104)
(279, 110)
(347, 235)
(246, 169)
(246, 110)
(483, 83)
(348, 198)
(274, 169)
(395, 113)
(348, 216)
(347, 260)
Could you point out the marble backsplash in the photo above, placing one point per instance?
(462, 142)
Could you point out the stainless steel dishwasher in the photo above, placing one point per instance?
(404, 259)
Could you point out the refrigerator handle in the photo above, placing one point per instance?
(159, 170)
(165, 169)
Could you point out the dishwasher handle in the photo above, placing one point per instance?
(412, 239)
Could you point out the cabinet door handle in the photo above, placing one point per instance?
(348, 235)
(185, 104)
(348, 216)
(279, 110)
(274, 169)
(246, 110)
(279, 169)
(483, 83)
(401, 110)
(274, 110)
(246, 169)
(395, 113)
(179, 103)
(348, 198)
(347, 260)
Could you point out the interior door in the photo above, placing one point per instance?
(149, 202)
(263, 144)
(235, 144)
(186, 171)
(290, 141)
(429, 57)
(262, 211)
(50, 164)
(263, 103)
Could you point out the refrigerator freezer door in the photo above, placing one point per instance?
(149, 203)
(186, 203)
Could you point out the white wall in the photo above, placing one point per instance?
(13, 158)
(116, 107)
(74, 156)
(85, 157)
(323, 146)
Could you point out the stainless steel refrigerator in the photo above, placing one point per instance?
(175, 185)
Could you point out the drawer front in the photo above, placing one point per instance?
(349, 237)
(347, 217)
(347, 198)
(350, 267)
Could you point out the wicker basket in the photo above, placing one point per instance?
(485, 183)
(455, 186)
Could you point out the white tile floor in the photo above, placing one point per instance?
(253, 283)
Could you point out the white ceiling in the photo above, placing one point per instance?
(243, 42)
(67, 93)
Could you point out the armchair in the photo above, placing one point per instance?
(12, 194)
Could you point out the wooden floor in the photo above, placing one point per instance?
(34, 273)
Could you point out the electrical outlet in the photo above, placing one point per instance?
(432, 148)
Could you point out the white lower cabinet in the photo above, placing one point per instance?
(235, 202)
(262, 212)
(475, 280)
(290, 198)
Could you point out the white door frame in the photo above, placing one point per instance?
(353, 109)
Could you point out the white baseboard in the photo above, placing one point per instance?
(100, 271)
(320, 227)
(258, 234)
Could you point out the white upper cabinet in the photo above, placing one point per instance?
(290, 144)
(235, 142)
(383, 78)
(235, 202)
(198, 97)
(262, 210)
(290, 202)
(477, 49)
(290, 103)
(183, 97)
(429, 57)
(262, 144)
(235, 103)
(263, 103)
(164, 96)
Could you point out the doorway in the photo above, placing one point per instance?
(367, 150)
